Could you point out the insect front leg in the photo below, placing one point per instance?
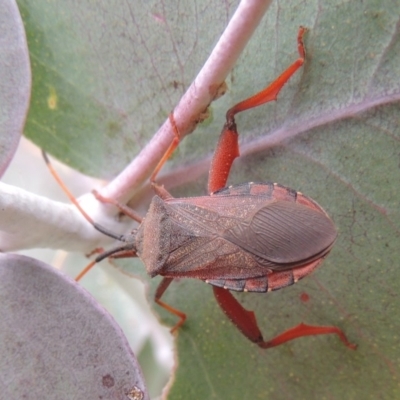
(159, 189)
(128, 211)
(170, 150)
(246, 322)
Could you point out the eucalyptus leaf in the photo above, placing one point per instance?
(57, 342)
(15, 82)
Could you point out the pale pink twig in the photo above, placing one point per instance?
(195, 101)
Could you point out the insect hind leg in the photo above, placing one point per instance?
(246, 322)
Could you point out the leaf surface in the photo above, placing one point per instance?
(57, 341)
(15, 82)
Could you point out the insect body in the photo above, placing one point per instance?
(253, 237)
(236, 238)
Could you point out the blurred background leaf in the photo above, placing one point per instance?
(59, 343)
(15, 83)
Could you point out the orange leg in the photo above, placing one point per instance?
(246, 322)
(125, 250)
(162, 287)
(65, 189)
(85, 270)
(228, 148)
(75, 202)
(271, 92)
(170, 150)
(122, 207)
(225, 153)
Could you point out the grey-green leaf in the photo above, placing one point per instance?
(15, 80)
(57, 342)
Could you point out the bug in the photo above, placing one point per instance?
(253, 237)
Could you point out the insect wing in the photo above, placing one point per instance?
(286, 234)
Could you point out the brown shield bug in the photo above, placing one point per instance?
(253, 237)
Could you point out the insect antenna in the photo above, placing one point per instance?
(125, 250)
(73, 200)
(121, 250)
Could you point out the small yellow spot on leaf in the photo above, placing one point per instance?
(52, 99)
